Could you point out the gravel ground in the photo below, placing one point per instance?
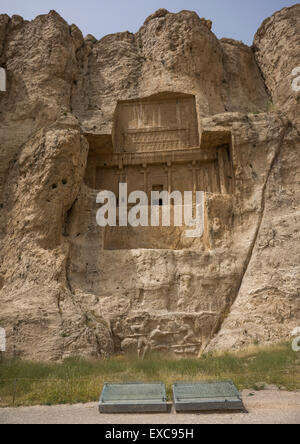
(265, 407)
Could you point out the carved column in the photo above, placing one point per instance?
(193, 168)
(169, 169)
(122, 172)
(195, 184)
(222, 160)
(145, 172)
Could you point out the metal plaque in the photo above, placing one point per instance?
(133, 398)
(206, 396)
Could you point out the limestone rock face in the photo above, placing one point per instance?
(171, 52)
(69, 287)
(268, 302)
(277, 51)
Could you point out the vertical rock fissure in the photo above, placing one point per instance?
(257, 231)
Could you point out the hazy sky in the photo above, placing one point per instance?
(238, 19)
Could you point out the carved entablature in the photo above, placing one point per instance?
(159, 123)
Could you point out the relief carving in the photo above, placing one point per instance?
(154, 280)
(158, 123)
(184, 291)
(180, 335)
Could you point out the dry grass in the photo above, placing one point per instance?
(78, 381)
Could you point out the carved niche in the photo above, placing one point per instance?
(159, 123)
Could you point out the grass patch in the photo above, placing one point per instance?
(76, 380)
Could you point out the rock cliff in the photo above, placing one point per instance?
(62, 292)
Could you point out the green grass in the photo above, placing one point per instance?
(77, 381)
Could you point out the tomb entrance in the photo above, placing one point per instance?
(155, 146)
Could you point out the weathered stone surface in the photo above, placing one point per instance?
(268, 302)
(69, 287)
(171, 52)
(277, 51)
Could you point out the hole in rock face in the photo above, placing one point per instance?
(64, 181)
(54, 186)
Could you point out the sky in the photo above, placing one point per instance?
(237, 19)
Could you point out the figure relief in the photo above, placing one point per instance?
(174, 335)
(157, 124)
(154, 283)
(184, 291)
(158, 337)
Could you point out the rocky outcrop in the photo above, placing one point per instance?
(61, 293)
(171, 52)
(277, 51)
(268, 301)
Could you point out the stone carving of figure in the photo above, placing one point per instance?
(190, 335)
(154, 278)
(158, 337)
(184, 291)
(143, 345)
(187, 333)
